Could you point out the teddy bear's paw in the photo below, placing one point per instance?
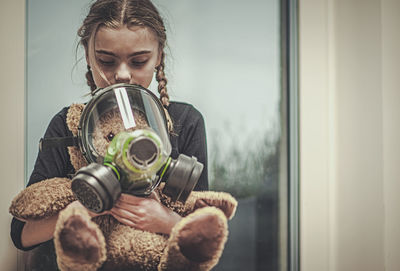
(203, 235)
(43, 199)
(79, 240)
(224, 201)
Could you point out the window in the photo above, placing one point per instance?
(235, 62)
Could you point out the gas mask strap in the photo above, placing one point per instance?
(54, 142)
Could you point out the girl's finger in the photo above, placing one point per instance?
(129, 199)
(123, 220)
(124, 214)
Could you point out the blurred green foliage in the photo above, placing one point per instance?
(245, 170)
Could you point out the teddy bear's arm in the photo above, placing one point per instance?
(42, 199)
(199, 199)
(222, 200)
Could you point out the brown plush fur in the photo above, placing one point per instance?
(81, 240)
(82, 243)
(73, 117)
(43, 199)
(196, 242)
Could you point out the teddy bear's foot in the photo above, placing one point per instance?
(201, 237)
(79, 242)
(197, 241)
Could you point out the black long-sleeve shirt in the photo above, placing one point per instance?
(188, 138)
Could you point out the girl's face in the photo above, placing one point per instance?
(124, 55)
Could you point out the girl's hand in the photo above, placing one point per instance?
(144, 213)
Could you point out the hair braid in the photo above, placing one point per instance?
(162, 89)
(90, 80)
(162, 82)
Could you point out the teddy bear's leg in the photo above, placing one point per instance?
(196, 242)
(78, 241)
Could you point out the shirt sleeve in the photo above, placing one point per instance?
(54, 162)
(190, 134)
(49, 163)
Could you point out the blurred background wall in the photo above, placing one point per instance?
(12, 108)
(349, 134)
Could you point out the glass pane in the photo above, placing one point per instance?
(224, 58)
(55, 70)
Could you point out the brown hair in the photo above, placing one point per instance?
(115, 13)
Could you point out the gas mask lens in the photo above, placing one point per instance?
(120, 108)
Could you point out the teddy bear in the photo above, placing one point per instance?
(196, 242)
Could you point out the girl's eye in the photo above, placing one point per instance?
(139, 62)
(110, 137)
(105, 62)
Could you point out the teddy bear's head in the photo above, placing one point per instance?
(107, 126)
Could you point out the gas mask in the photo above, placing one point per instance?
(123, 136)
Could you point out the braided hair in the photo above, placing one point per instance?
(162, 82)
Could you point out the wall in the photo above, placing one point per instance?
(349, 130)
(390, 11)
(12, 70)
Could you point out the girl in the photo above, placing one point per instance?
(124, 42)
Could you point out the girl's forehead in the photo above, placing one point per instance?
(134, 36)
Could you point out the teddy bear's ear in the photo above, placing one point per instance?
(74, 116)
